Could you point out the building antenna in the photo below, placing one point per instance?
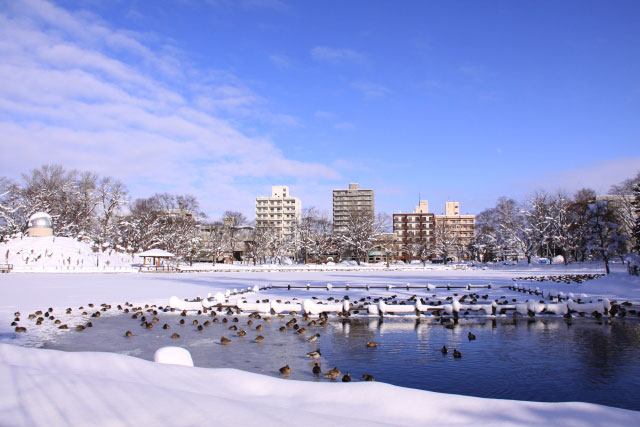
(419, 198)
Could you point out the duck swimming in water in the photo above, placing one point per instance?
(444, 350)
(471, 336)
(456, 354)
(285, 370)
(225, 341)
(316, 369)
(332, 373)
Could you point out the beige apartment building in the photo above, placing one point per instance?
(463, 226)
(351, 200)
(281, 211)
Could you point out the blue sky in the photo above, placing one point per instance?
(451, 100)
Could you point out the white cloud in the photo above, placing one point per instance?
(336, 56)
(69, 96)
(371, 90)
(324, 114)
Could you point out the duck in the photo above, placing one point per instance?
(314, 354)
(301, 330)
(471, 336)
(200, 328)
(250, 322)
(259, 328)
(456, 354)
(242, 332)
(149, 325)
(207, 323)
(20, 329)
(128, 334)
(283, 329)
(313, 338)
(165, 326)
(89, 325)
(259, 338)
(368, 377)
(175, 336)
(316, 369)
(182, 321)
(80, 328)
(444, 350)
(225, 341)
(195, 322)
(346, 378)
(63, 327)
(285, 370)
(233, 328)
(332, 373)
(371, 344)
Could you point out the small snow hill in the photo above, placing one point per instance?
(52, 254)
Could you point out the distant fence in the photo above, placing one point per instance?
(6, 268)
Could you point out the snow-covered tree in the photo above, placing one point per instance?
(12, 209)
(603, 238)
(446, 240)
(360, 233)
(112, 196)
(636, 212)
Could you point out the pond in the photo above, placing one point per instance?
(541, 360)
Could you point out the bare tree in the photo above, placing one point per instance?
(603, 238)
(446, 239)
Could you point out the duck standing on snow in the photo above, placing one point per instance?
(368, 377)
(332, 373)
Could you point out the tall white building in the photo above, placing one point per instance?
(279, 212)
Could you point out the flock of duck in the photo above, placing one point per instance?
(566, 278)
(147, 315)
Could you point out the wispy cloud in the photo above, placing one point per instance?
(336, 56)
(77, 92)
(280, 61)
(324, 114)
(371, 90)
(347, 126)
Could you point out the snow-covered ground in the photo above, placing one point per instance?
(61, 254)
(56, 388)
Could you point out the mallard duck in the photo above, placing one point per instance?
(242, 333)
(225, 340)
(165, 326)
(285, 370)
(456, 354)
(313, 338)
(371, 344)
(332, 373)
(259, 328)
(233, 328)
(316, 369)
(444, 350)
(283, 329)
(175, 336)
(346, 378)
(200, 328)
(471, 336)
(314, 354)
(259, 338)
(368, 377)
(128, 334)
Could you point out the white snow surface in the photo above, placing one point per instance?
(47, 387)
(53, 388)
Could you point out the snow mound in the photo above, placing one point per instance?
(62, 254)
(173, 356)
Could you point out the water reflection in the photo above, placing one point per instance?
(525, 359)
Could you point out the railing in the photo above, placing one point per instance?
(6, 268)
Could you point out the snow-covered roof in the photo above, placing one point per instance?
(40, 215)
(158, 253)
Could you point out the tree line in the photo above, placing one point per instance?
(577, 227)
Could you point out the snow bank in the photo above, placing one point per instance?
(52, 388)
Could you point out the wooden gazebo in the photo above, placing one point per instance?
(159, 259)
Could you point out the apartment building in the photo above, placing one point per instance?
(351, 200)
(281, 211)
(462, 226)
(416, 228)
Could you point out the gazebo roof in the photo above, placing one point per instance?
(158, 253)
